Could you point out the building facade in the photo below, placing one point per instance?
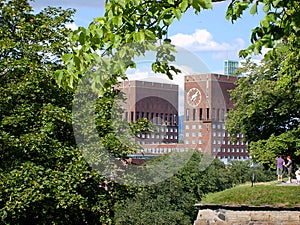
(230, 67)
(206, 103)
(158, 102)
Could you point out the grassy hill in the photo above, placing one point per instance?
(269, 193)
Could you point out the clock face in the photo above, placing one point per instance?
(194, 97)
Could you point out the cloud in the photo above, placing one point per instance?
(72, 26)
(202, 41)
(38, 4)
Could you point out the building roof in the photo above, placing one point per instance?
(158, 80)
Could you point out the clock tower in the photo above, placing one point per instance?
(197, 113)
(206, 103)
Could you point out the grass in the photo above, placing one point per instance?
(258, 195)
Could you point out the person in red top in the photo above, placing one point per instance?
(289, 166)
(280, 163)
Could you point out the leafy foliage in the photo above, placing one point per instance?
(267, 108)
(128, 29)
(43, 176)
(281, 22)
(172, 200)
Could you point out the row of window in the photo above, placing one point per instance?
(163, 150)
(215, 134)
(157, 136)
(194, 134)
(166, 129)
(168, 150)
(193, 142)
(156, 118)
(225, 134)
(223, 142)
(194, 126)
(230, 150)
(232, 157)
(155, 142)
(216, 142)
(204, 114)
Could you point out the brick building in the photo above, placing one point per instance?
(156, 100)
(206, 103)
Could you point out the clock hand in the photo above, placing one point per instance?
(194, 96)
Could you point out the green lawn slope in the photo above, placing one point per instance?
(269, 193)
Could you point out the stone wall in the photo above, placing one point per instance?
(245, 215)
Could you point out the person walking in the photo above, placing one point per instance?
(280, 163)
(289, 166)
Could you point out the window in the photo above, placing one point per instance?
(194, 114)
(200, 114)
(199, 134)
(200, 142)
(200, 126)
(131, 116)
(187, 134)
(223, 115)
(187, 127)
(193, 126)
(187, 118)
(207, 113)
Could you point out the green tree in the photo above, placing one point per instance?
(128, 29)
(44, 178)
(267, 109)
(172, 200)
(267, 99)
